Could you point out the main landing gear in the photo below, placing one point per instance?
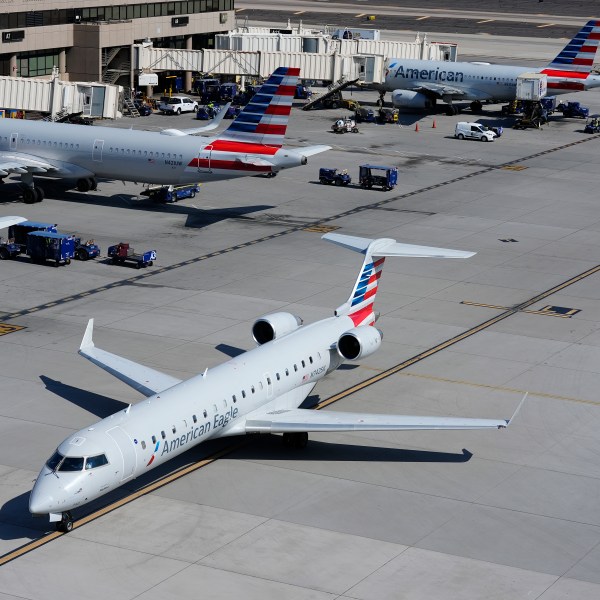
(295, 440)
(66, 523)
(452, 109)
(31, 195)
(86, 184)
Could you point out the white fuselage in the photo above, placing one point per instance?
(278, 375)
(477, 81)
(141, 156)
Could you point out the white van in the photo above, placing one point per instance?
(473, 131)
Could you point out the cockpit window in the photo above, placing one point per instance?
(92, 462)
(71, 463)
(54, 460)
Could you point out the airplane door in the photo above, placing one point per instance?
(269, 381)
(127, 450)
(14, 138)
(204, 157)
(97, 153)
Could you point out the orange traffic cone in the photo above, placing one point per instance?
(417, 126)
(433, 126)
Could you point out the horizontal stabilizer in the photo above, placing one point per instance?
(143, 379)
(389, 247)
(312, 150)
(216, 121)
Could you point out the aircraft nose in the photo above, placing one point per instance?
(42, 497)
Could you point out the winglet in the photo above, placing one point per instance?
(212, 125)
(509, 421)
(87, 342)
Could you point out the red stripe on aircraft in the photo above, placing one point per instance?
(571, 74)
(243, 147)
(269, 128)
(588, 62)
(591, 49)
(594, 35)
(566, 85)
(278, 109)
(370, 293)
(375, 277)
(359, 316)
(293, 71)
(228, 165)
(286, 90)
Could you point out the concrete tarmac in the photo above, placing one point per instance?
(505, 514)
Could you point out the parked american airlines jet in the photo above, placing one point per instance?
(420, 83)
(257, 392)
(252, 144)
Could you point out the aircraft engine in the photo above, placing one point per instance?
(410, 99)
(274, 326)
(359, 342)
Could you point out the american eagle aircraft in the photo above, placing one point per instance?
(420, 83)
(251, 145)
(259, 391)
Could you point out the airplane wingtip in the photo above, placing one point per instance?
(87, 341)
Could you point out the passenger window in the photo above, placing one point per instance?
(252, 389)
(194, 419)
(174, 430)
(295, 367)
(162, 434)
(143, 445)
(154, 439)
(287, 373)
(310, 360)
(243, 394)
(303, 364)
(277, 376)
(205, 414)
(224, 403)
(234, 398)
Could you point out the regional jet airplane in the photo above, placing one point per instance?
(420, 83)
(252, 144)
(259, 391)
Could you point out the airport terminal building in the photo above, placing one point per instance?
(93, 42)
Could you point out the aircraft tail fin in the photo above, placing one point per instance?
(359, 306)
(577, 57)
(265, 118)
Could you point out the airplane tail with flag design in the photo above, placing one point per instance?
(359, 306)
(569, 70)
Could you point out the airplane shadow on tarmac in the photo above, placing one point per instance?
(197, 217)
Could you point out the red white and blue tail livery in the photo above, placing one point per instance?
(569, 70)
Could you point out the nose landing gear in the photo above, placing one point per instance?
(66, 523)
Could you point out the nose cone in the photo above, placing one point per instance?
(42, 499)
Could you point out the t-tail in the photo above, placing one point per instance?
(359, 306)
(571, 68)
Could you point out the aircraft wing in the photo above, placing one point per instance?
(8, 221)
(17, 162)
(304, 420)
(435, 90)
(143, 379)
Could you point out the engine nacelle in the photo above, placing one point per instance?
(410, 99)
(359, 342)
(274, 326)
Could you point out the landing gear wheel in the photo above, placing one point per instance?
(84, 185)
(295, 439)
(66, 523)
(39, 194)
(476, 106)
(29, 195)
(93, 183)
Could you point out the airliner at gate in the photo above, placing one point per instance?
(251, 145)
(259, 391)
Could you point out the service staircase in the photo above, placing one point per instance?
(335, 87)
(58, 116)
(129, 104)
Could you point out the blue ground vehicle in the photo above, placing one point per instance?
(378, 175)
(574, 110)
(593, 124)
(143, 108)
(172, 193)
(17, 234)
(364, 115)
(329, 176)
(207, 89)
(302, 92)
(232, 112)
(122, 253)
(228, 91)
(47, 245)
(207, 112)
(86, 250)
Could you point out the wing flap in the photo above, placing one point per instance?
(141, 378)
(296, 420)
